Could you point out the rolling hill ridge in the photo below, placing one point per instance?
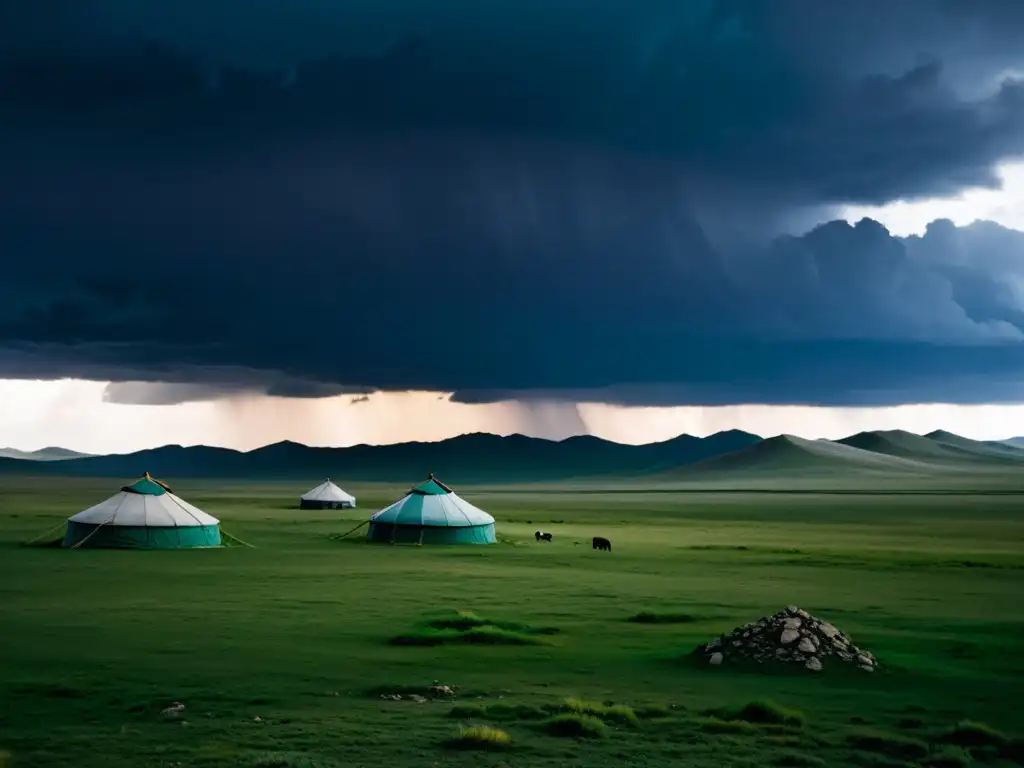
(487, 458)
(467, 458)
(893, 453)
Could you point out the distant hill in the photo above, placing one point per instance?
(982, 448)
(907, 445)
(486, 458)
(1015, 442)
(788, 455)
(43, 454)
(467, 458)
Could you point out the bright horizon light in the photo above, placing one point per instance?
(72, 414)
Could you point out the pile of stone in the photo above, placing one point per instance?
(791, 636)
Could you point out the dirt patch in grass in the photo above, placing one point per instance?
(468, 628)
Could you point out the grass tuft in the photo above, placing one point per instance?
(468, 628)
(888, 744)
(498, 712)
(475, 636)
(948, 756)
(799, 760)
(714, 725)
(574, 726)
(969, 734)
(290, 760)
(762, 712)
(480, 737)
(613, 713)
(651, 617)
(652, 711)
(53, 691)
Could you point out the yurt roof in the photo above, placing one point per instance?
(147, 485)
(146, 503)
(433, 504)
(327, 491)
(431, 487)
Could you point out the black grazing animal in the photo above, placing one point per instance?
(600, 543)
(542, 536)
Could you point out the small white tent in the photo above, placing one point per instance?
(326, 496)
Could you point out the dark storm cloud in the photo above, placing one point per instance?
(223, 385)
(505, 199)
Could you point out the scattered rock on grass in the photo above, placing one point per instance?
(174, 710)
(791, 636)
(437, 690)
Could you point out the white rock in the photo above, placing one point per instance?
(813, 664)
(807, 645)
(866, 667)
(828, 630)
(864, 661)
(716, 659)
(788, 636)
(794, 623)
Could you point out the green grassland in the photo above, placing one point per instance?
(281, 652)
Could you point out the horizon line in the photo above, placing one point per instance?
(463, 435)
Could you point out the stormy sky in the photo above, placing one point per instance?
(630, 203)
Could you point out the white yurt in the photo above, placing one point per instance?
(143, 515)
(327, 495)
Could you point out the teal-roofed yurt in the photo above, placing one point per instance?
(431, 513)
(143, 515)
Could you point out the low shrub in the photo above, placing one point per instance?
(762, 712)
(652, 711)
(574, 726)
(468, 628)
(480, 737)
(614, 713)
(714, 725)
(969, 734)
(475, 636)
(948, 757)
(891, 745)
